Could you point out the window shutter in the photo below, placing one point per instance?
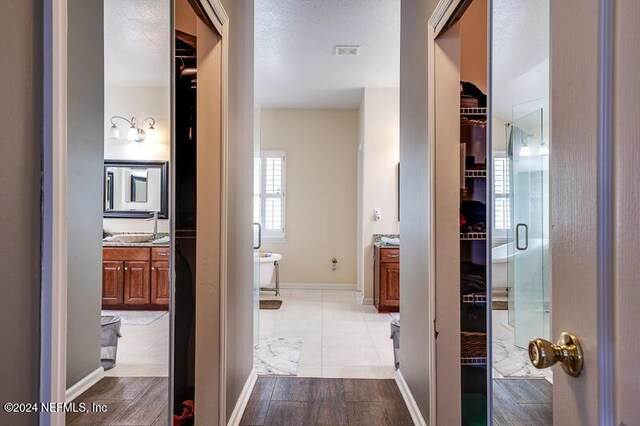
(502, 190)
(272, 193)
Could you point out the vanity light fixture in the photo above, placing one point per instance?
(525, 151)
(135, 133)
(544, 149)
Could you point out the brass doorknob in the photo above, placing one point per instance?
(566, 351)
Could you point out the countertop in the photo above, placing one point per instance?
(383, 245)
(119, 244)
(145, 244)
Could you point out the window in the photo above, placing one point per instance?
(502, 194)
(271, 166)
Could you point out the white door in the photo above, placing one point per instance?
(594, 197)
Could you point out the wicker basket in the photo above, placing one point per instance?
(473, 345)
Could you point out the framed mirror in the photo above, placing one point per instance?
(135, 189)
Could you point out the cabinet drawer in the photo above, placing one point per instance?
(389, 255)
(160, 253)
(126, 253)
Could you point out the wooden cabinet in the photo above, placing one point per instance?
(133, 279)
(160, 283)
(136, 283)
(386, 279)
(112, 278)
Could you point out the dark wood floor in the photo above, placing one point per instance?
(523, 402)
(130, 401)
(305, 401)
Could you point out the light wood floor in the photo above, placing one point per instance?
(139, 401)
(522, 402)
(309, 401)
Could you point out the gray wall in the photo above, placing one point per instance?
(21, 143)
(85, 159)
(414, 272)
(240, 207)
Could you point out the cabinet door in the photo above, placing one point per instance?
(160, 283)
(112, 282)
(136, 283)
(390, 284)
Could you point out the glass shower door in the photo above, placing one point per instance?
(528, 263)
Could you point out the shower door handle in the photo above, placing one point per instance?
(259, 236)
(526, 236)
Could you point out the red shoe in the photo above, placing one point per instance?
(186, 417)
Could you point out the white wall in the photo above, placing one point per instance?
(139, 102)
(320, 191)
(473, 44)
(380, 150)
(84, 195)
(414, 179)
(239, 336)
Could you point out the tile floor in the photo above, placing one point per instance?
(341, 337)
(143, 350)
(508, 359)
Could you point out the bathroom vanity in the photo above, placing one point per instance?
(135, 277)
(386, 277)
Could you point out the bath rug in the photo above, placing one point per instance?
(500, 305)
(270, 304)
(277, 356)
(137, 317)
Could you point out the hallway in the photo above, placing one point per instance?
(304, 401)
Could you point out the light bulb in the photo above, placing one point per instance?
(544, 149)
(152, 133)
(114, 133)
(132, 133)
(525, 151)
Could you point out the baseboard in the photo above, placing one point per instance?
(318, 286)
(84, 384)
(243, 399)
(367, 300)
(416, 415)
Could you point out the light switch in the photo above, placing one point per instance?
(377, 213)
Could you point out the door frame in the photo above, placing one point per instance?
(213, 13)
(602, 13)
(53, 299)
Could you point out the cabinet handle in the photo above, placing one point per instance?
(153, 268)
(159, 253)
(393, 255)
(118, 268)
(126, 269)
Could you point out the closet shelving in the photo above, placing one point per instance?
(475, 298)
(473, 250)
(473, 236)
(475, 174)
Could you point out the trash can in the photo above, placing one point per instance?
(110, 332)
(395, 335)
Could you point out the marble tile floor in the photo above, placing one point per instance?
(509, 360)
(143, 350)
(277, 356)
(341, 337)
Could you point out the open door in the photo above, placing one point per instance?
(201, 199)
(563, 125)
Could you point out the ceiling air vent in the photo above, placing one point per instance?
(347, 50)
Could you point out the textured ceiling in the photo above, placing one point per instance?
(136, 42)
(295, 64)
(520, 54)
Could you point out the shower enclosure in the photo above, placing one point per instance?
(528, 265)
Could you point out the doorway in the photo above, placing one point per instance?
(327, 264)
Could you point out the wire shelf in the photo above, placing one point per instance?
(473, 236)
(475, 298)
(477, 361)
(475, 174)
(477, 112)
